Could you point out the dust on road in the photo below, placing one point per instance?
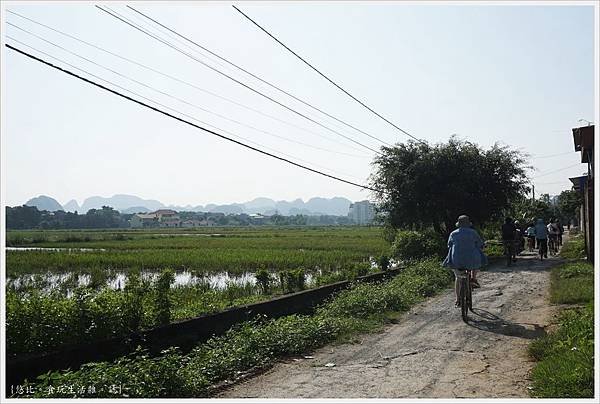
(430, 352)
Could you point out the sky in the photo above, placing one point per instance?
(518, 75)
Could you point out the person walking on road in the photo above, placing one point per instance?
(531, 237)
(541, 235)
(465, 251)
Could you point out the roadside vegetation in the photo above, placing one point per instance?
(251, 345)
(565, 367)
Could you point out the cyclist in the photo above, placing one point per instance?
(508, 238)
(519, 238)
(530, 237)
(541, 236)
(561, 230)
(553, 236)
(464, 252)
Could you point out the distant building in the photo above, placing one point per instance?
(168, 218)
(258, 219)
(143, 220)
(160, 218)
(362, 212)
(192, 223)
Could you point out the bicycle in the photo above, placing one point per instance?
(543, 248)
(552, 244)
(531, 243)
(509, 246)
(465, 298)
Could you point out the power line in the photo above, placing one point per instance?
(183, 120)
(555, 171)
(133, 25)
(191, 85)
(169, 95)
(328, 79)
(534, 157)
(257, 77)
(182, 81)
(174, 110)
(552, 183)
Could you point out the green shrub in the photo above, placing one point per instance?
(414, 245)
(263, 280)
(574, 248)
(383, 262)
(493, 249)
(163, 301)
(292, 280)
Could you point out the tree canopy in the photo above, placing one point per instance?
(419, 186)
(569, 203)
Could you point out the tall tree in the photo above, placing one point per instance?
(569, 203)
(419, 186)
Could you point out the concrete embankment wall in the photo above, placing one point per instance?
(185, 334)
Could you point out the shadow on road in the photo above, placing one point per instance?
(526, 261)
(486, 321)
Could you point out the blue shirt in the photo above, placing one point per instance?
(465, 250)
(541, 232)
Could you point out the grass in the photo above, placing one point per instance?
(572, 283)
(574, 248)
(250, 345)
(566, 363)
(565, 367)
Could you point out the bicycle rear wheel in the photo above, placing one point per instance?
(464, 308)
(469, 296)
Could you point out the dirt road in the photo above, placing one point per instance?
(430, 352)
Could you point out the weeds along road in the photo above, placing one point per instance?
(430, 352)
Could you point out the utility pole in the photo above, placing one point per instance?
(533, 192)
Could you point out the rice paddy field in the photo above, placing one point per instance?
(75, 286)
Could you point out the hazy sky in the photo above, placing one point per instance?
(520, 75)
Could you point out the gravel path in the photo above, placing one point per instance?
(430, 352)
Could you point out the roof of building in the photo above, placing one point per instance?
(146, 215)
(165, 212)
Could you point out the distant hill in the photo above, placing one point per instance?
(336, 206)
(234, 208)
(136, 209)
(120, 202)
(44, 202)
(72, 206)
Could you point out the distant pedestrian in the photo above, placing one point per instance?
(541, 236)
(530, 237)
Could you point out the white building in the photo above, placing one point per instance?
(362, 212)
(140, 220)
(160, 218)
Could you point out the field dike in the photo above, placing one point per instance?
(183, 334)
(251, 345)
